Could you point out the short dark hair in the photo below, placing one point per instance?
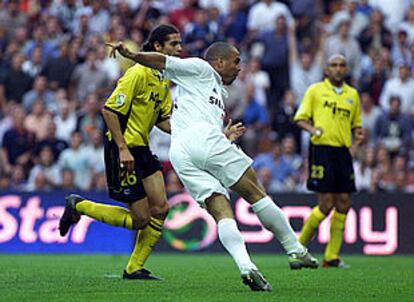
(159, 34)
(218, 50)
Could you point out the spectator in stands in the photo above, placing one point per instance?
(275, 59)
(58, 71)
(369, 113)
(375, 35)
(95, 151)
(37, 121)
(90, 118)
(374, 80)
(408, 24)
(234, 24)
(401, 86)
(263, 15)
(99, 18)
(199, 34)
(65, 12)
(400, 51)
(65, 121)
(364, 170)
(282, 171)
(34, 65)
(15, 82)
(110, 65)
(393, 129)
(394, 11)
(283, 123)
(40, 92)
(89, 77)
(404, 177)
(260, 79)
(255, 119)
(305, 69)
(180, 17)
(53, 34)
(51, 141)
(120, 34)
(18, 180)
(237, 101)
(76, 159)
(255, 116)
(146, 16)
(350, 12)
(38, 40)
(17, 144)
(68, 181)
(11, 17)
(48, 168)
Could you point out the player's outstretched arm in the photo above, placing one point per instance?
(150, 59)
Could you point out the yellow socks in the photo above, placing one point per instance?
(311, 225)
(113, 215)
(146, 239)
(337, 236)
(118, 216)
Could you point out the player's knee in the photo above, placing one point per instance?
(140, 220)
(160, 212)
(325, 208)
(138, 223)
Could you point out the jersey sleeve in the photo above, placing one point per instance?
(357, 119)
(176, 68)
(305, 109)
(125, 91)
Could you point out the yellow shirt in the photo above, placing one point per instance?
(141, 99)
(336, 113)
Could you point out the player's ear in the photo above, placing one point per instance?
(158, 47)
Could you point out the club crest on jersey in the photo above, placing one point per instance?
(120, 99)
(349, 101)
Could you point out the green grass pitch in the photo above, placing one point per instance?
(200, 277)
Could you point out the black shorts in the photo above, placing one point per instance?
(128, 187)
(330, 170)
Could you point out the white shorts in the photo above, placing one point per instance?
(207, 162)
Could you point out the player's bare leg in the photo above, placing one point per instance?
(148, 236)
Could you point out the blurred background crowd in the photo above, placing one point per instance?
(55, 76)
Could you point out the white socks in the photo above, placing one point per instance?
(273, 219)
(233, 241)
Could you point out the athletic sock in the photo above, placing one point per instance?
(146, 239)
(233, 241)
(311, 225)
(113, 215)
(337, 236)
(273, 219)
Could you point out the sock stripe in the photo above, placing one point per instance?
(157, 222)
(154, 227)
(124, 223)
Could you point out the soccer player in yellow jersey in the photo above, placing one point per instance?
(140, 100)
(330, 111)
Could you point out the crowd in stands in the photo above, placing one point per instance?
(55, 76)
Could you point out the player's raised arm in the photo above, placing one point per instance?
(150, 59)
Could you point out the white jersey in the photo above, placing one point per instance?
(199, 97)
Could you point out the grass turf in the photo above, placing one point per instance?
(200, 278)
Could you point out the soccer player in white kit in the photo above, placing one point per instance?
(207, 161)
